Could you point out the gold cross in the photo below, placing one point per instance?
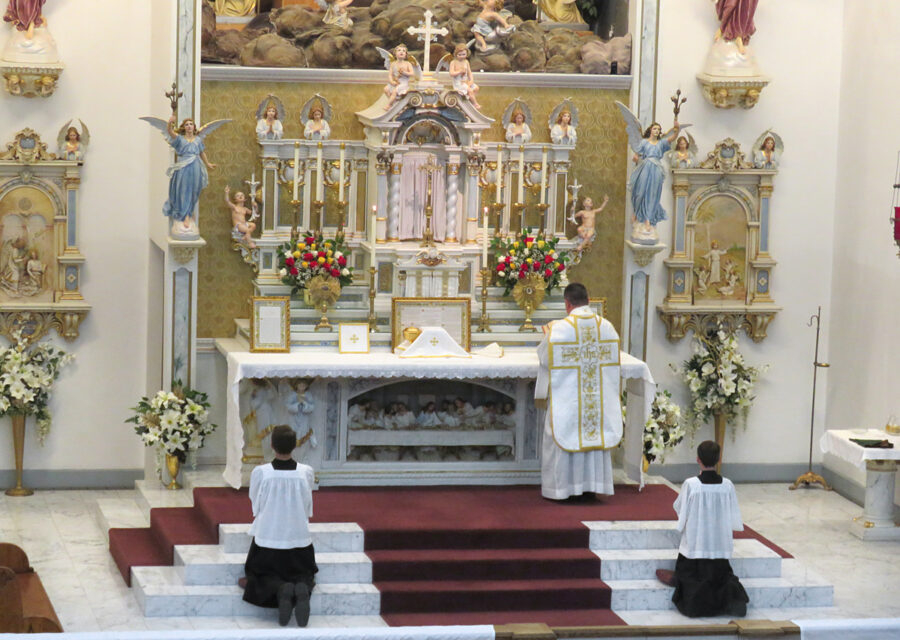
(354, 338)
(434, 341)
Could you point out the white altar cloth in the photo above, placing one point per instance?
(324, 362)
(837, 442)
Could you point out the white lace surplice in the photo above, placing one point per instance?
(707, 515)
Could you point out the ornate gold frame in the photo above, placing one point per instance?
(450, 305)
(284, 303)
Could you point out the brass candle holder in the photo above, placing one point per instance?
(342, 210)
(295, 228)
(317, 206)
(498, 210)
(484, 322)
(373, 319)
(519, 210)
(542, 207)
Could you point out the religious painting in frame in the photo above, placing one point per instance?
(599, 305)
(353, 337)
(452, 314)
(270, 324)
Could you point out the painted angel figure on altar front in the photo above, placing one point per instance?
(648, 176)
(563, 121)
(188, 175)
(73, 143)
(315, 116)
(269, 119)
(517, 120)
(298, 406)
(767, 150)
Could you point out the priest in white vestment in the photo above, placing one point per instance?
(579, 381)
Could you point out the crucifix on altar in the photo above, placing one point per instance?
(429, 168)
(426, 31)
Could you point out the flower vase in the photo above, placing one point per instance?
(18, 429)
(719, 422)
(645, 464)
(173, 465)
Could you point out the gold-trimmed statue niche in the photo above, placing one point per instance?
(720, 268)
(40, 263)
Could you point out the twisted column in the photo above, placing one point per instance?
(393, 221)
(452, 196)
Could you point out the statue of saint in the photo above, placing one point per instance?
(736, 21)
(25, 15)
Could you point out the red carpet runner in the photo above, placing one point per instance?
(442, 555)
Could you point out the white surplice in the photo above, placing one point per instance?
(707, 515)
(579, 378)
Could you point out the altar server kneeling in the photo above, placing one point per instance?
(707, 509)
(281, 563)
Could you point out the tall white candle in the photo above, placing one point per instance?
(320, 185)
(484, 240)
(373, 220)
(544, 176)
(521, 174)
(296, 169)
(341, 174)
(499, 196)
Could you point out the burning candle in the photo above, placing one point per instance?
(521, 174)
(319, 183)
(296, 170)
(341, 175)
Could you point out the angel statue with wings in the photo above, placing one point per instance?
(647, 179)
(73, 143)
(400, 70)
(188, 174)
(767, 150)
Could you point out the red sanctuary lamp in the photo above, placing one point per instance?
(896, 210)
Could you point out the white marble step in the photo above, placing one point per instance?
(633, 534)
(796, 587)
(209, 565)
(751, 559)
(160, 593)
(328, 537)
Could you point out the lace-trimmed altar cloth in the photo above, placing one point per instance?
(325, 362)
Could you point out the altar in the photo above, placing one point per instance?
(500, 444)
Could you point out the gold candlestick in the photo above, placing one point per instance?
(519, 210)
(543, 209)
(373, 319)
(498, 209)
(484, 323)
(342, 208)
(295, 229)
(317, 206)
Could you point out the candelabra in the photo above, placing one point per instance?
(373, 319)
(484, 323)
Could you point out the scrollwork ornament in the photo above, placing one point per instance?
(36, 324)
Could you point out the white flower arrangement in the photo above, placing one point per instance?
(663, 429)
(719, 380)
(27, 372)
(176, 422)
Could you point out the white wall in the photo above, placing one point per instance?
(864, 379)
(802, 104)
(108, 84)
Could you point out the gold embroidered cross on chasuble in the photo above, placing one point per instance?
(584, 405)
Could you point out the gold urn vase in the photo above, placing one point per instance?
(18, 430)
(173, 466)
(529, 294)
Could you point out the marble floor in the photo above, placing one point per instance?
(66, 543)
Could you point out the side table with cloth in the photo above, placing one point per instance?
(877, 520)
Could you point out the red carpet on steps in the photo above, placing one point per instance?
(443, 555)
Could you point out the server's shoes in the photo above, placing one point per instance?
(301, 609)
(285, 603)
(666, 577)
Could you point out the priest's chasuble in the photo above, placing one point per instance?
(584, 409)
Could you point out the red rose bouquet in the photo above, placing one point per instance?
(314, 255)
(517, 256)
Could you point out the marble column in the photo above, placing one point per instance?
(382, 166)
(877, 520)
(452, 197)
(393, 221)
(474, 163)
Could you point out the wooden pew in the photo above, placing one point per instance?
(24, 605)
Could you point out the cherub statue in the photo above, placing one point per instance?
(736, 21)
(588, 213)
(269, 118)
(684, 155)
(461, 74)
(517, 120)
(336, 12)
(400, 70)
(242, 217)
(72, 143)
(647, 179)
(490, 25)
(188, 174)
(315, 116)
(563, 123)
(767, 150)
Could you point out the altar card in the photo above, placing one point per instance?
(599, 305)
(452, 314)
(270, 325)
(353, 337)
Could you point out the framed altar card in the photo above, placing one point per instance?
(353, 337)
(452, 314)
(270, 324)
(599, 305)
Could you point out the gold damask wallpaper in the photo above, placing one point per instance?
(599, 163)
